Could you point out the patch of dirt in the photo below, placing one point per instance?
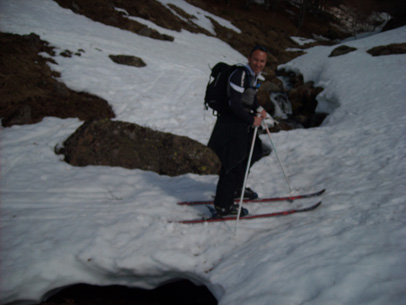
(30, 91)
(105, 11)
(391, 49)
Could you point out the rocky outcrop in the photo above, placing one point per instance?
(341, 50)
(302, 97)
(128, 60)
(115, 143)
(391, 49)
(106, 12)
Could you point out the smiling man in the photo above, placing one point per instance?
(232, 135)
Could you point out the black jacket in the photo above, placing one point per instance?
(232, 134)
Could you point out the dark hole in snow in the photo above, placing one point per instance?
(182, 292)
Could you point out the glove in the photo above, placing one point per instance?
(269, 121)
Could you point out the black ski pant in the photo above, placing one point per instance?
(233, 180)
(227, 184)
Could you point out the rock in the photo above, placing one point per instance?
(294, 79)
(303, 98)
(128, 60)
(270, 87)
(264, 95)
(30, 90)
(115, 143)
(341, 50)
(395, 48)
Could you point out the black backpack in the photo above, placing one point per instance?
(217, 91)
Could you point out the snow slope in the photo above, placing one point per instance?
(62, 225)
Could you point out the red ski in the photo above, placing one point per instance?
(267, 215)
(270, 199)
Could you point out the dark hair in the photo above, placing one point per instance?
(258, 47)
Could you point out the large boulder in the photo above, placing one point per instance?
(115, 143)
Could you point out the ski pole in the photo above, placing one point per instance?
(246, 177)
(276, 154)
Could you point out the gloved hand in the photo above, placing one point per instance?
(269, 121)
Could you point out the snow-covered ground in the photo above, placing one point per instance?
(62, 225)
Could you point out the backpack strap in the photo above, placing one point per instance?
(247, 73)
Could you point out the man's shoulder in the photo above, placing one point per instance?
(242, 69)
(239, 75)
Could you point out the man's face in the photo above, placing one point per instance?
(257, 61)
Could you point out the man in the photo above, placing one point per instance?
(233, 133)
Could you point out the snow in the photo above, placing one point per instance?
(63, 225)
(302, 41)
